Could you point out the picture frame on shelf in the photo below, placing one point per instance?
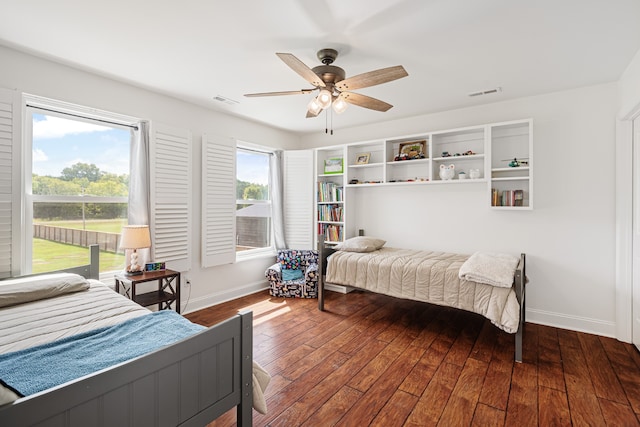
(363, 158)
(333, 166)
(412, 150)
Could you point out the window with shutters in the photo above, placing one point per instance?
(253, 202)
(76, 188)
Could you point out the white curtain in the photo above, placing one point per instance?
(139, 182)
(277, 202)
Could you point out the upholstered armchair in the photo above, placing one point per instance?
(295, 274)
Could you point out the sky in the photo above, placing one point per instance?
(59, 143)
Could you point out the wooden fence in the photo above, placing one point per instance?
(109, 242)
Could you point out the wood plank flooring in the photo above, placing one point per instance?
(372, 360)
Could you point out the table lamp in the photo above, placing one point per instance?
(134, 237)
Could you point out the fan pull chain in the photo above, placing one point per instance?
(331, 120)
(326, 122)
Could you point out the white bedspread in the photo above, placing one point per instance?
(39, 322)
(43, 321)
(424, 276)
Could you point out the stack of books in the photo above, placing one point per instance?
(332, 233)
(329, 192)
(507, 197)
(330, 213)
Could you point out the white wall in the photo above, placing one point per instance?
(629, 87)
(37, 76)
(569, 237)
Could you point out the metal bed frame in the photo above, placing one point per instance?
(519, 283)
(189, 383)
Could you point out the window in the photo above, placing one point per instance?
(253, 202)
(76, 189)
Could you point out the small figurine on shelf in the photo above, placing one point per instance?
(447, 172)
(468, 153)
(446, 154)
(517, 162)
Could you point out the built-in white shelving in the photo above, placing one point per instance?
(486, 152)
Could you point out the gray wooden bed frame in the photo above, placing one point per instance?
(189, 383)
(519, 282)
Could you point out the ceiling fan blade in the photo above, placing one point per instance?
(289, 92)
(365, 101)
(372, 78)
(299, 67)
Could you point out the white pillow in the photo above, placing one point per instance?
(32, 288)
(361, 244)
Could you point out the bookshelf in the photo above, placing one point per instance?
(485, 153)
(330, 194)
(511, 180)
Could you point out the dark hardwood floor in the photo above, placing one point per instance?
(379, 361)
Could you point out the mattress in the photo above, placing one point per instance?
(46, 320)
(425, 276)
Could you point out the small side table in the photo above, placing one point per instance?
(168, 288)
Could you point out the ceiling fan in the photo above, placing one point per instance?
(334, 89)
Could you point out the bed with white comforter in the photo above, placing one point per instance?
(45, 310)
(427, 276)
(85, 305)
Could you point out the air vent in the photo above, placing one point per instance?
(224, 99)
(486, 92)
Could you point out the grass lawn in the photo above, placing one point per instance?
(50, 256)
(105, 225)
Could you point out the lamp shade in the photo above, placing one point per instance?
(324, 98)
(135, 237)
(339, 105)
(314, 107)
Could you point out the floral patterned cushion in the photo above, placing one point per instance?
(291, 260)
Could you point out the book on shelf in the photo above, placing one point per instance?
(507, 197)
(329, 192)
(518, 198)
(331, 232)
(334, 213)
(495, 197)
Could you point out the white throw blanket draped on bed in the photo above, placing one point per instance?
(491, 268)
(424, 276)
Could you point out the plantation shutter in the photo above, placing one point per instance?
(9, 183)
(298, 198)
(218, 200)
(171, 188)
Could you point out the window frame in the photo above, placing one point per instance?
(267, 250)
(38, 105)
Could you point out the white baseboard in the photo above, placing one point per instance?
(338, 288)
(195, 304)
(573, 323)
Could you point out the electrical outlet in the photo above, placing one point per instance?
(187, 283)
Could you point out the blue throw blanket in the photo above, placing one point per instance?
(38, 368)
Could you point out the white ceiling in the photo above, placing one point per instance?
(197, 49)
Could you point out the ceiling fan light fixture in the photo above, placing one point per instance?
(324, 98)
(339, 105)
(314, 106)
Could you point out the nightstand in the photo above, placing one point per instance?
(168, 292)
